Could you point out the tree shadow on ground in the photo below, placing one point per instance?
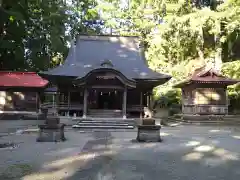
(108, 157)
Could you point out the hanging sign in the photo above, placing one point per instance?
(106, 76)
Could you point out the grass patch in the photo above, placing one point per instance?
(16, 171)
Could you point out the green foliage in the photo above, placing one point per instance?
(178, 36)
(232, 69)
(168, 99)
(34, 34)
(190, 38)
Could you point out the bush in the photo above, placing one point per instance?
(175, 109)
(169, 99)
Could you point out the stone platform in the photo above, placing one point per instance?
(207, 119)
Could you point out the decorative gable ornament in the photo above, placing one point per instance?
(107, 63)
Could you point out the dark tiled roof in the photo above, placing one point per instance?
(91, 52)
(21, 79)
(207, 75)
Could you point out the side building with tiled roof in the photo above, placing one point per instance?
(205, 92)
(20, 93)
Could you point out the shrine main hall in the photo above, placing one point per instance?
(103, 74)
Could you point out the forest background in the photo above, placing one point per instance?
(178, 35)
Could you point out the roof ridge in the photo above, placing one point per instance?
(105, 38)
(108, 35)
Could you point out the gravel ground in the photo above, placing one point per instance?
(186, 153)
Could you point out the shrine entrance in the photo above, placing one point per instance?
(105, 99)
(105, 89)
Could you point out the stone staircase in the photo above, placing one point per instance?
(227, 120)
(105, 123)
(105, 113)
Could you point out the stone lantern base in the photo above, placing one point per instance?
(51, 133)
(52, 130)
(148, 131)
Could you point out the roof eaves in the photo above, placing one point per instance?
(182, 84)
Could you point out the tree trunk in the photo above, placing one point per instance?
(200, 48)
(218, 49)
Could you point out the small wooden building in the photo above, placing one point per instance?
(104, 74)
(20, 92)
(205, 93)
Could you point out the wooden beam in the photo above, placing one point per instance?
(106, 87)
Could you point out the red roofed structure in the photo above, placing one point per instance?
(205, 92)
(20, 92)
(21, 79)
(207, 75)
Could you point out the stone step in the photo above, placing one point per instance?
(108, 122)
(104, 113)
(104, 116)
(105, 110)
(103, 127)
(88, 118)
(103, 124)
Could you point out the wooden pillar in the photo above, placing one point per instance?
(141, 103)
(38, 103)
(85, 103)
(182, 101)
(53, 100)
(37, 109)
(68, 103)
(125, 103)
(57, 101)
(148, 100)
(227, 101)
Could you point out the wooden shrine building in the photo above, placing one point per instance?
(104, 74)
(205, 93)
(20, 92)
